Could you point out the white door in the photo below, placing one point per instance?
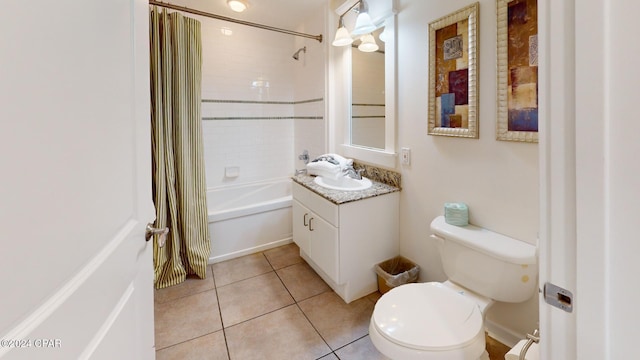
(608, 178)
(75, 192)
(590, 170)
(557, 244)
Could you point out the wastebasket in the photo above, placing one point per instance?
(395, 272)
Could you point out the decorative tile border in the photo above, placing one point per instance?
(367, 116)
(357, 104)
(265, 118)
(219, 101)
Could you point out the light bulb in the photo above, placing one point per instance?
(368, 44)
(342, 37)
(237, 5)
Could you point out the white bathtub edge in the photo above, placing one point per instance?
(275, 204)
(249, 251)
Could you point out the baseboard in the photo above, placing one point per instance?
(249, 251)
(503, 334)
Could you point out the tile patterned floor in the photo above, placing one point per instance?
(269, 305)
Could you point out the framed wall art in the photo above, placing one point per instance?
(517, 70)
(453, 74)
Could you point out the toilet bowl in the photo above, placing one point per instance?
(445, 321)
(428, 321)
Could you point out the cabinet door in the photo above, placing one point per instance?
(324, 246)
(301, 216)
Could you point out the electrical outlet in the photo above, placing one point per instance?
(405, 156)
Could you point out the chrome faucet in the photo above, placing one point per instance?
(353, 173)
(304, 156)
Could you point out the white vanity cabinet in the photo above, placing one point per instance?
(343, 243)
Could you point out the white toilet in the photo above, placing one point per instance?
(444, 321)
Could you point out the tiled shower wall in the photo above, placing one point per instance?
(252, 102)
(310, 132)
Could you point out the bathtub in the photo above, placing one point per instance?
(249, 218)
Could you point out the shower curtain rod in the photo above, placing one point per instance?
(241, 22)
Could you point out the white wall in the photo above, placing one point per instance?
(497, 179)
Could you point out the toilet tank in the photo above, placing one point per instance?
(488, 263)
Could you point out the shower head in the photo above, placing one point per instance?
(296, 55)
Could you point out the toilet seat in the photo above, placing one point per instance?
(428, 317)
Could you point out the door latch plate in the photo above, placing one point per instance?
(558, 297)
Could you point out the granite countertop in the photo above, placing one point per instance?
(341, 197)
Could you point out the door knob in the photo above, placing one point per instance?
(150, 231)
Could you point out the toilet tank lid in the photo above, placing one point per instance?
(486, 241)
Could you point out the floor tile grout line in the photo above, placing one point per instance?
(347, 344)
(255, 317)
(305, 315)
(261, 315)
(332, 352)
(285, 286)
(294, 298)
(291, 265)
(185, 295)
(193, 294)
(224, 333)
(317, 331)
(268, 262)
(280, 268)
(295, 302)
(187, 340)
(249, 278)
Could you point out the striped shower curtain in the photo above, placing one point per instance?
(179, 184)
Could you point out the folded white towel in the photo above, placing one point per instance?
(325, 174)
(342, 160)
(324, 168)
(328, 165)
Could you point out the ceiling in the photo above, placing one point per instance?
(285, 14)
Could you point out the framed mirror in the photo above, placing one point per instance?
(368, 95)
(366, 91)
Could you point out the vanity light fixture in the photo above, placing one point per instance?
(384, 35)
(368, 43)
(364, 26)
(238, 5)
(343, 38)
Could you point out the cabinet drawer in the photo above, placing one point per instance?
(316, 203)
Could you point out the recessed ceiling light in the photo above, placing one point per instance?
(237, 5)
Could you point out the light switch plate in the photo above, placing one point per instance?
(405, 156)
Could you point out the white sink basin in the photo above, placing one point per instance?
(343, 183)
